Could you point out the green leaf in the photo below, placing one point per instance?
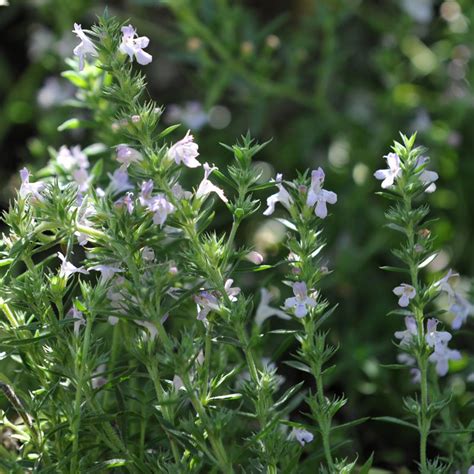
(396, 421)
(75, 78)
(168, 130)
(230, 396)
(359, 421)
(394, 269)
(298, 365)
(365, 468)
(72, 124)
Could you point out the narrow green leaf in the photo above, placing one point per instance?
(396, 421)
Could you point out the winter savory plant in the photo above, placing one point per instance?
(130, 344)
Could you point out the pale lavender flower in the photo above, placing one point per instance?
(441, 357)
(127, 155)
(410, 361)
(161, 208)
(254, 257)
(232, 292)
(78, 317)
(206, 302)
(87, 210)
(107, 272)
(30, 189)
(178, 383)
(85, 47)
(302, 436)
(98, 380)
(433, 337)
(152, 329)
(461, 308)
(281, 196)
(410, 332)
(71, 158)
(148, 254)
(67, 268)
(406, 293)
(471, 470)
(427, 177)
(82, 179)
(301, 301)
(119, 181)
(126, 202)
(265, 311)
(185, 151)
(145, 193)
(206, 187)
(179, 193)
(392, 173)
(319, 196)
(133, 46)
(446, 283)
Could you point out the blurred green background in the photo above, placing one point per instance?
(332, 82)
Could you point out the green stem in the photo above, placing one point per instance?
(80, 373)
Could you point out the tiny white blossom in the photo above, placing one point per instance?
(150, 327)
(107, 272)
(265, 311)
(281, 196)
(319, 196)
(206, 302)
(410, 332)
(30, 189)
(392, 173)
(78, 317)
(433, 337)
(82, 179)
(254, 257)
(441, 357)
(427, 177)
(461, 308)
(71, 158)
(67, 268)
(206, 187)
(185, 151)
(406, 292)
(133, 46)
(446, 283)
(301, 301)
(160, 207)
(85, 47)
(302, 436)
(119, 181)
(232, 292)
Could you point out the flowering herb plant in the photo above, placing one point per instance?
(123, 307)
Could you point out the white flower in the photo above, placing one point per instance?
(302, 436)
(206, 187)
(67, 268)
(82, 179)
(179, 193)
(148, 254)
(178, 383)
(30, 189)
(78, 317)
(127, 155)
(150, 327)
(265, 311)
(232, 292)
(119, 181)
(281, 196)
(85, 47)
(446, 283)
(106, 271)
(185, 151)
(319, 196)
(254, 257)
(441, 357)
(134, 46)
(70, 158)
(206, 302)
(392, 173)
(433, 337)
(410, 332)
(98, 380)
(301, 301)
(406, 292)
(461, 308)
(160, 207)
(427, 177)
